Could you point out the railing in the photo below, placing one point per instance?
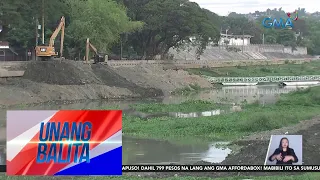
(257, 91)
(263, 79)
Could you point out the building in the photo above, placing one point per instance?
(6, 53)
(234, 40)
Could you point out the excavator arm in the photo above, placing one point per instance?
(45, 52)
(88, 47)
(60, 27)
(99, 57)
(93, 48)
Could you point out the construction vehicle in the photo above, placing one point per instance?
(48, 52)
(98, 57)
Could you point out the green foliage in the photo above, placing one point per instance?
(170, 23)
(101, 21)
(302, 97)
(241, 25)
(307, 28)
(143, 28)
(187, 106)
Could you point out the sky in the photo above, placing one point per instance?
(224, 7)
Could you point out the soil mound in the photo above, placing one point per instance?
(68, 80)
(166, 80)
(77, 73)
(58, 73)
(111, 78)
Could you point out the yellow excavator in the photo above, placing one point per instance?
(48, 52)
(98, 57)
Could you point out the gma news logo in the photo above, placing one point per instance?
(281, 23)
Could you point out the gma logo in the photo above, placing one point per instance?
(281, 24)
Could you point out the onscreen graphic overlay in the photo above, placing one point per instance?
(284, 150)
(64, 142)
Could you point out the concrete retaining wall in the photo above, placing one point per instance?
(181, 64)
(256, 51)
(273, 48)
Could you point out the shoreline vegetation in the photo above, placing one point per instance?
(186, 106)
(287, 69)
(290, 109)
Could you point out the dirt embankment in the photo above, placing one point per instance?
(155, 76)
(70, 80)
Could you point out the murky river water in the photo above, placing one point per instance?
(141, 151)
(149, 151)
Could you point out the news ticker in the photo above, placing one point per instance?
(213, 168)
(218, 168)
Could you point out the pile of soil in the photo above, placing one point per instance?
(72, 80)
(155, 76)
(59, 73)
(111, 77)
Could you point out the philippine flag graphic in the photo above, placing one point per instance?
(64, 142)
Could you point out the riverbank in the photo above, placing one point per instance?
(72, 81)
(287, 69)
(295, 113)
(289, 110)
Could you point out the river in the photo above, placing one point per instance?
(138, 151)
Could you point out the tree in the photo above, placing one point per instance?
(16, 18)
(169, 23)
(312, 41)
(101, 21)
(19, 20)
(300, 26)
(241, 25)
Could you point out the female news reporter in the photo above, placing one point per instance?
(284, 155)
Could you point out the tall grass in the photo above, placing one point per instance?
(187, 106)
(311, 68)
(303, 97)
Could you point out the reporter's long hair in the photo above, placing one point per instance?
(280, 145)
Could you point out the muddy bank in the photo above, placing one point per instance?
(70, 80)
(255, 148)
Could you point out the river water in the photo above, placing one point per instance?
(139, 151)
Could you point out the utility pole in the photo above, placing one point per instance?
(37, 26)
(242, 40)
(42, 21)
(120, 47)
(87, 51)
(262, 38)
(220, 43)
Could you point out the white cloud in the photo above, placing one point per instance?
(245, 6)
